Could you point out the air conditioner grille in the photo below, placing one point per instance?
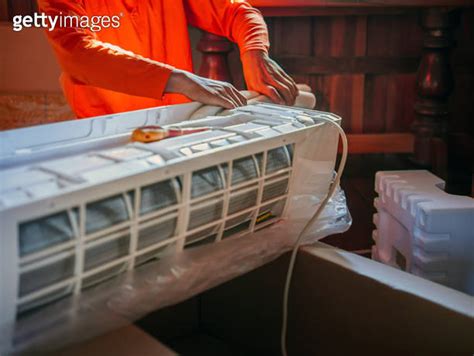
(159, 196)
(156, 233)
(206, 181)
(273, 190)
(154, 254)
(45, 232)
(105, 252)
(278, 159)
(242, 201)
(205, 215)
(47, 275)
(103, 275)
(244, 169)
(105, 213)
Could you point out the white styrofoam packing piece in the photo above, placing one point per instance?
(424, 230)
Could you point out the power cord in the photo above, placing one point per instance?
(314, 218)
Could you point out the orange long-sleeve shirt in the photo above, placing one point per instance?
(127, 68)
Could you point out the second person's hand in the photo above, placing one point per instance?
(265, 76)
(204, 90)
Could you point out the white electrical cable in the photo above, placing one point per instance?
(314, 218)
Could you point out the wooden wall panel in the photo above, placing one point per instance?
(389, 103)
(292, 36)
(21, 7)
(401, 95)
(333, 40)
(340, 89)
(335, 36)
(362, 67)
(394, 36)
(3, 10)
(462, 100)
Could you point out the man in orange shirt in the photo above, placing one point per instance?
(146, 60)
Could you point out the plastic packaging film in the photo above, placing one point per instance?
(177, 277)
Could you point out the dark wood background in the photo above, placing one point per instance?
(9, 8)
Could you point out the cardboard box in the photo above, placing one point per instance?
(339, 303)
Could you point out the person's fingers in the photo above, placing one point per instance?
(292, 85)
(291, 97)
(212, 92)
(231, 93)
(273, 94)
(290, 79)
(284, 91)
(237, 96)
(226, 103)
(221, 89)
(240, 96)
(290, 82)
(276, 77)
(276, 80)
(215, 97)
(226, 93)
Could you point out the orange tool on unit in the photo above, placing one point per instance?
(147, 134)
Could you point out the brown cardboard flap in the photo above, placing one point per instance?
(126, 341)
(340, 303)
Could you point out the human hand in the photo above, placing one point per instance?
(263, 75)
(204, 90)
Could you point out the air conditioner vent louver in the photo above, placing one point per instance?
(154, 254)
(242, 201)
(159, 196)
(106, 213)
(44, 276)
(157, 233)
(205, 215)
(106, 252)
(244, 226)
(273, 190)
(103, 275)
(203, 237)
(238, 224)
(207, 181)
(278, 159)
(24, 308)
(45, 232)
(244, 169)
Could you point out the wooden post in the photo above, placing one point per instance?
(434, 86)
(214, 51)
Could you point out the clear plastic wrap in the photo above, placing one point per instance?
(173, 279)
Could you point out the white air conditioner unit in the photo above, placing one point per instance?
(80, 203)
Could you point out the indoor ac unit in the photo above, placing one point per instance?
(80, 203)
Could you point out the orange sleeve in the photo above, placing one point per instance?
(234, 19)
(90, 61)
